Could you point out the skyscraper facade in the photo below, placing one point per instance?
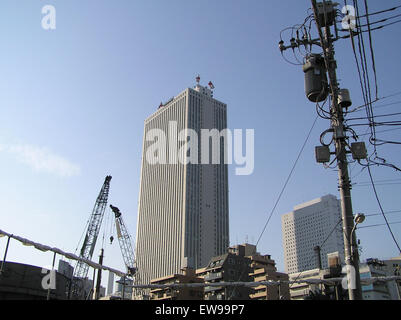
(311, 224)
(183, 205)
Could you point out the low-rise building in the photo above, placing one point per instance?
(25, 282)
(264, 269)
(334, 291)
(393, 267)
(233, 266)
(300, 291)
(382, 290)
(183, 293)
(241, 263)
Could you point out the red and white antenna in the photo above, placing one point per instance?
(211, 85)
(198, 78)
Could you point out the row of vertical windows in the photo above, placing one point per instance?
(160, 214)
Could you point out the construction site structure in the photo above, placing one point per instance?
(89, 243)
(124, 239)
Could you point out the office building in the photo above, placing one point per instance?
(183, 201)
(316, 223)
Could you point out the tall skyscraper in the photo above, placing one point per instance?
(311, 224)
(183, 207)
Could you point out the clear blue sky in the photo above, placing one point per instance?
(73, 101)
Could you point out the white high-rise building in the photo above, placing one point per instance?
(311, 224)
(183, 207)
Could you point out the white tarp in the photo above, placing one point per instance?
(68, 255)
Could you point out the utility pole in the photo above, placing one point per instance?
(339, 133)
(317, 89)
(318, 256)
(99, 276)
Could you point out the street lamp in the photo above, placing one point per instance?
(359, 218)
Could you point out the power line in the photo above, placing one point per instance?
(358, 109)
(281, 192)
(379, 225)
(381, 209)
(371, 48)
(379, 21)
(381, 142)
(382, 26)
(377, 99)
(287, 180)
(378, 12)
(321, 245)
(378, 116)
(379, 214)
(380, 181)
(389, 130)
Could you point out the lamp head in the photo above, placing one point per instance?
(359, 218)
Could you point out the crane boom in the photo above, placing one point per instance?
(124, 239)
(88, 246)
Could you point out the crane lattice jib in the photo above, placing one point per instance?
(88, 246)
(124, 239)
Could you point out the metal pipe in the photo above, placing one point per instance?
(5, 255)
(52, 270)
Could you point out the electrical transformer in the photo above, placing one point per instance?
(316, 84)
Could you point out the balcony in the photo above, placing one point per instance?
(258, 295)
(213, 276)
(210, 289)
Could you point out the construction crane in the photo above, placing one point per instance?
(124, 240)
(89, 243)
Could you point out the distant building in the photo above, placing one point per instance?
(386, 290)
(110, 284)
(308, 226)
(65, 269)
(86, 286)
(185, 293)
(25, 282)
(124, 287)
(264, 269)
